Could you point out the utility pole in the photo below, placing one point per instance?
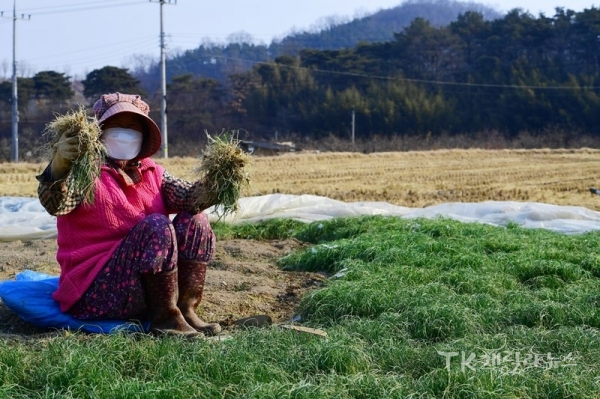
(163, 80)
(353, 124)
(15, 95)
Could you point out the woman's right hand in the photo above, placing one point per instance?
(67, 150)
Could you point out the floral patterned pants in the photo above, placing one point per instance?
(152, 246)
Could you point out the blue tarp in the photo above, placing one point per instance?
(30, 297)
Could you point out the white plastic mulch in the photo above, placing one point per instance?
(25, 219)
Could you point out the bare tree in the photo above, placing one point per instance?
(24, 69)
(209, 42)
(240, 37)
(141, 63)
(5, 68)
(362, 13)
(66, 69)
(327, 23)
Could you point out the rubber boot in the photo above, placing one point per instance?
(161, 292)
(191, 285)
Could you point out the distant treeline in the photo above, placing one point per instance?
(512, 74)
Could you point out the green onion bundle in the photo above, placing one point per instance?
(222, 174)
(86, 168)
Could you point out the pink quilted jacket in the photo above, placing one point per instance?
(89, 235)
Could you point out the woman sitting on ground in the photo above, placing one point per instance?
(122, 257)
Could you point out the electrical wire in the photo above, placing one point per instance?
(423, 81)
(102, 4)
(133, 45)
(59, 9)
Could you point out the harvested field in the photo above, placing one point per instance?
(243, 279)
(412, 179)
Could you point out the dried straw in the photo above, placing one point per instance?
(86, 168)
(222, 174)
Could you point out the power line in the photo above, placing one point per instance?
(79, 7)
(134, 43)
(102, 56)
(54, 63)
(410, 80)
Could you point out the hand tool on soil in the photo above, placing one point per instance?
(594, 190)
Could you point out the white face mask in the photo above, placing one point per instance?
(122, 144)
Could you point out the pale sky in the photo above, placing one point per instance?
(78, 36)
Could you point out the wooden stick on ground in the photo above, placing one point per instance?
(305, 330)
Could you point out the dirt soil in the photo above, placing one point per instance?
(242, 280)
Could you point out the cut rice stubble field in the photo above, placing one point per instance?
(412, 179)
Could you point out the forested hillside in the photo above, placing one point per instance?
(337, 33)
(472, 78)
(511, 74)
(218, 61)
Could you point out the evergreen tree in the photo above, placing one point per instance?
(110, 79)
(52, 85)
(196, 105)
(25, 92)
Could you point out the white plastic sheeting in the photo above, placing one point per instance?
(25, 219)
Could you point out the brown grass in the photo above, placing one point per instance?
(412, 179)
